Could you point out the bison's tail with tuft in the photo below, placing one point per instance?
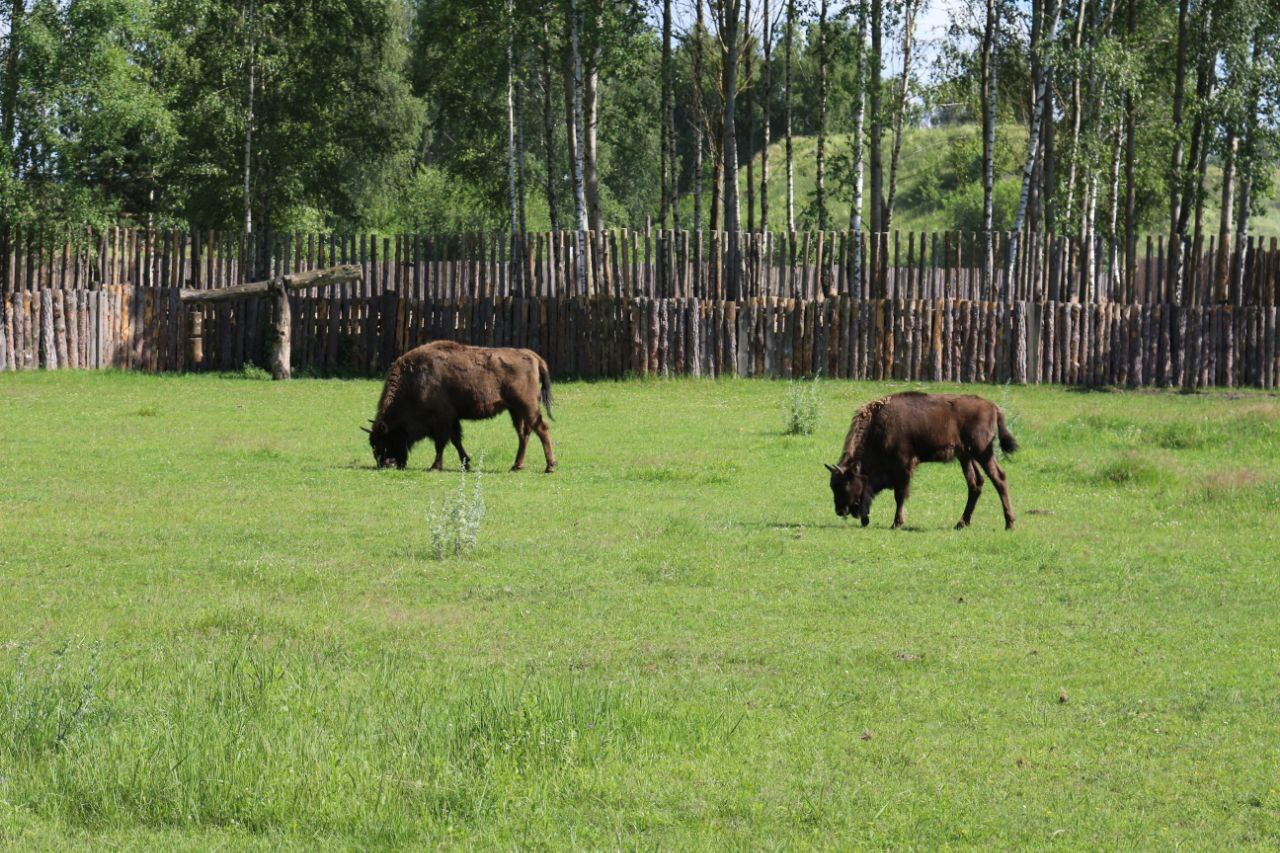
(1007, 442)
(544, 376)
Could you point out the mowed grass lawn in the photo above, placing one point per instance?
(220, 627)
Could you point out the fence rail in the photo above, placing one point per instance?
(352, 332)
(661, 264)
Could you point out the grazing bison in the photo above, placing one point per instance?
(892, 435)
(430, 390)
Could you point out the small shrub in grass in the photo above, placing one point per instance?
(454, 522)
(1182, 435)
(252, 372)
(44, 704)
(1128, 469)
(802, 407)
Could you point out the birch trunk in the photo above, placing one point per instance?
(548, 126)
(791, 174)
(1176, 222)
(511, 119)
(822, 116)
(579, 190)
(766, 97)
(900, 108)
(699, 115)
(988, 144)
(877, 162)
(859, 116)
(1033, 141)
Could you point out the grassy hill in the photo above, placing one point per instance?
(939, 184)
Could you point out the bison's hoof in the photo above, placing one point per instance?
(961, 524)
(1008, 525)
(551, 469)
(515, 468)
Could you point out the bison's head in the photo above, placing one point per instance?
(851, 492)
(390, 446)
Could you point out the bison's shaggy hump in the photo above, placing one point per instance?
(430, 390)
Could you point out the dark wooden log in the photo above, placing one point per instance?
(295, 281)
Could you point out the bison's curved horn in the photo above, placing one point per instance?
(366, 429)
(832, 468)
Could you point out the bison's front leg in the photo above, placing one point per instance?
(900, 495)
(456, 438)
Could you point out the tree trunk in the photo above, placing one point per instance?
(1176, 222)
(766, 98)
(910, 7)
(1245, 169)
(548, 126)
(591, 115)
(1077, 108)
(1113, 234)
(579, 189)
(699, 115)
(877, 163)
(730, 12)
(1193, 181)
(250, 58)
(822, 116)
(9, 103)
(1033, 141)
(668, 132)
(1031, 218)
(791, 173)
(571, 123)
(988, 143)
(1131, 185)
(511, 120)
(1227, 208)
(859, 117)
(751, 120)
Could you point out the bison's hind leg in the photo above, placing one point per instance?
(520, 421)
(972, 479)
(440, 442)
(1002, 485)
(544, 435)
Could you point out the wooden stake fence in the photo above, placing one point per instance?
(337, 329)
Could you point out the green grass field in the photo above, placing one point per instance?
(222, 628)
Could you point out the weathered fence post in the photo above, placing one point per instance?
(283, 321)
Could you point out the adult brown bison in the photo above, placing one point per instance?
(892, 435)
(430, 390)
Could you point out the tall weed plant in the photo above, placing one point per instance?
(454, 522)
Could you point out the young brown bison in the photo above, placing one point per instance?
(892, 435)
(430, 390)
